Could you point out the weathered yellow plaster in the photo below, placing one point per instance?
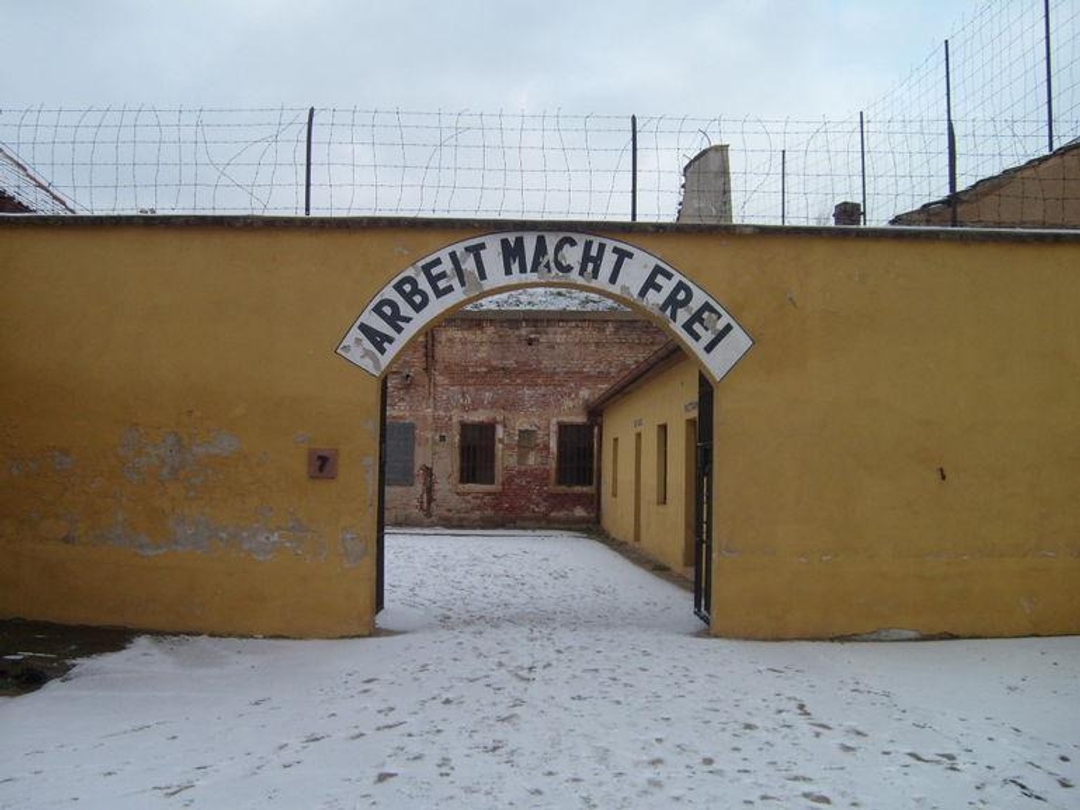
(776, 597)
(225, 594)
(665, 530)
(899, 449)
(155, 383)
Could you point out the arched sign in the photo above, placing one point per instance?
(477, 267)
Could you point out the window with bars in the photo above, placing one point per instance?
(400, 453)
(574, 456)
(477, 453)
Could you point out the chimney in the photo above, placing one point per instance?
(707, 188)
(847, 213)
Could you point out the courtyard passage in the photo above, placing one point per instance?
(541, 669)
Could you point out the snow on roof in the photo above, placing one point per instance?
(21, 185)
(548, 298)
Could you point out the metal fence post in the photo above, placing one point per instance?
(783, 186)
(633, 168)
(951, 138)
(1049, 80)
(862, 161)
(307, 167)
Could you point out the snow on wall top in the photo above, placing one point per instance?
(549, 298)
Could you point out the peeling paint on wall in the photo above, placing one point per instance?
(262, 542)
(172, 457)
(353, 549)
(61, 461)
(200, 534)
(56, 460)
(162, 519)
(120, 536)
(371, 480)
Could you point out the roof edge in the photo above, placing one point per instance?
(247, 221)
(661, 360)
(546, 315)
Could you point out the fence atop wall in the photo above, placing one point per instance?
(1012, 93)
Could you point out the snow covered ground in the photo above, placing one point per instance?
(543, 670)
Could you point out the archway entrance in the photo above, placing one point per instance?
(440, 283)
(474, 268)
(176, 402)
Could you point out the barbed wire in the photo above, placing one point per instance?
(475, 164)
(28, 193)
(891, 158)
(998, 60)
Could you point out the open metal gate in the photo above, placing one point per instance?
(703, 480)
(380, 513)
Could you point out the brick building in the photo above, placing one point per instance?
(1042, 193)
(487, 420)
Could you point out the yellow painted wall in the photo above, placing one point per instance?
(161, 388)
(900, 449)
(668, 399)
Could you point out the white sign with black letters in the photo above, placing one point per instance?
(477, 267)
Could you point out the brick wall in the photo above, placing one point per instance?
(10, 205)
(526, 371)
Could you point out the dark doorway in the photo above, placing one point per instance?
(637, 487)
(703, 487)
(690, 490)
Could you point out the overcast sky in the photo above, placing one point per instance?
(704, 57)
